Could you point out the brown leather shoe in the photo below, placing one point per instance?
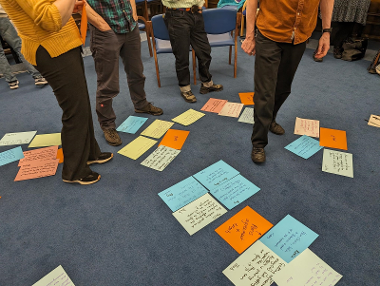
(150, 109)
(188, 96)
(214, 87)
(112, 137)
(276, 128)
(258, 155)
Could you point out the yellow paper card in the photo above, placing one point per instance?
(174, 138)
(137, 147)
(243, 229)
(44, 140)
(188, 117)
(157, 128)
(333, 138)
(246, 98)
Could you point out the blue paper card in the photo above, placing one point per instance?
(11, 155)
(132, 124)
(289, 238)
(235, 191)
(216, 174)
(304, 147)
(182, 193)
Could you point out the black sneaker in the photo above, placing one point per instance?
(150, 109)
(214, 87)
(13, 84)
(88, 180)
(258, 155)
(112, 137)
(338, 53)
(40, 81)
(188, 96)
(103, 158)
(276, 128)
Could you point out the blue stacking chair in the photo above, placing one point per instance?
(222, 28)
(161, 42)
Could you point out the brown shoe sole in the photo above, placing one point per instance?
(81, 182)
(148, 112)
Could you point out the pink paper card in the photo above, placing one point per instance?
(231, 109)
(38, 155)
(307, 127)
(214, 105)
(38, 169)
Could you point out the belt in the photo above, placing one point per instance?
(193, 9)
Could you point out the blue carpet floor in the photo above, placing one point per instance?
(118, 232)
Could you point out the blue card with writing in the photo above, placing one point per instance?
(11, 155)
(132, 124)
(216, 174)
(235, 191)
(289, 238)
(182, 193)
(304, 147)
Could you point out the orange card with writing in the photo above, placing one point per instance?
(243, 229)
(246, 98)
(333, 138)
(60, 155)
(83, 25)
(174, 138)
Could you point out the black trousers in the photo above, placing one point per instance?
(185, 29)
(275, 67)
(65, 75)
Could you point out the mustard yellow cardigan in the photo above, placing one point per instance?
(38, 22)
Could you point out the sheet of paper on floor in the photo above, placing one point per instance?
(231, 109)
(137, 147)
(132, 124)
(188, 117)
(157, 128)
(174, 138)
(339, 163)
(37, 169)
(18, 138)
(60, 155)
(40, 154)
(246, 98)
(306, 127)
(374, 120)
(160, 158)
(243, 229)
(289, 238)
(304, 147)
(57, 277)
(199, 213)
(44, 140)
(11, 155)
(214, 105)
(333, 138)
(182, 193)
(247, 116)
(256, 265)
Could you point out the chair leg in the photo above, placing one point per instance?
(242, 26)
(229, 57)
(235, 64)
(148, 40)
(157, 69)
(194, 66)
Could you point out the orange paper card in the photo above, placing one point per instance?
(333, 138)
(60, 155)
(246, 98)
(214, 105)
(243, 229)
(36, 170)
(174, 138)
(83, 25)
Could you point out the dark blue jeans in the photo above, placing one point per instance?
(185, 29)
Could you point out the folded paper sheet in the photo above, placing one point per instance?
(157, 128)
(246, 98)
(234, 191)
(44, 140)
(11, 155)
(333, 138)
(160, 158)
(137, 147)
(182, 193)
(231, 109)
(338, 163)
(374, 120)
(58, 277)
(37, 169)
(304, 147)
(18, 138)
(306, 127)
(132, 124)
(174, 138)
(214, 105)
(215, 175)
(40, 154)
(256, 266)
(307, 269)
(243, 229)
(199, 213)
(289, 238)
(188, 117)
(247, 116)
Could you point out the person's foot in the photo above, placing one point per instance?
(88, 180)
(318, 60)
(276, 128)
(40, 81)
(150, 109)
(13, 84)
(188, 96)
(258, 155)
(214, 87)
(103, 158)
(112, 137)
(338, 53)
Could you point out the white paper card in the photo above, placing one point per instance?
(374, 120)
(58, 277)
(160, 158)
(247, 116)
(17, 138)
(199, 213)
(339, 163)
(231, 109)
(307, 269)
(256, 266)
(307, 127)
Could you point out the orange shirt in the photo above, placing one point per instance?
(287, 21)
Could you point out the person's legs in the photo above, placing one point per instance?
(65, 75)
(5, 68)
